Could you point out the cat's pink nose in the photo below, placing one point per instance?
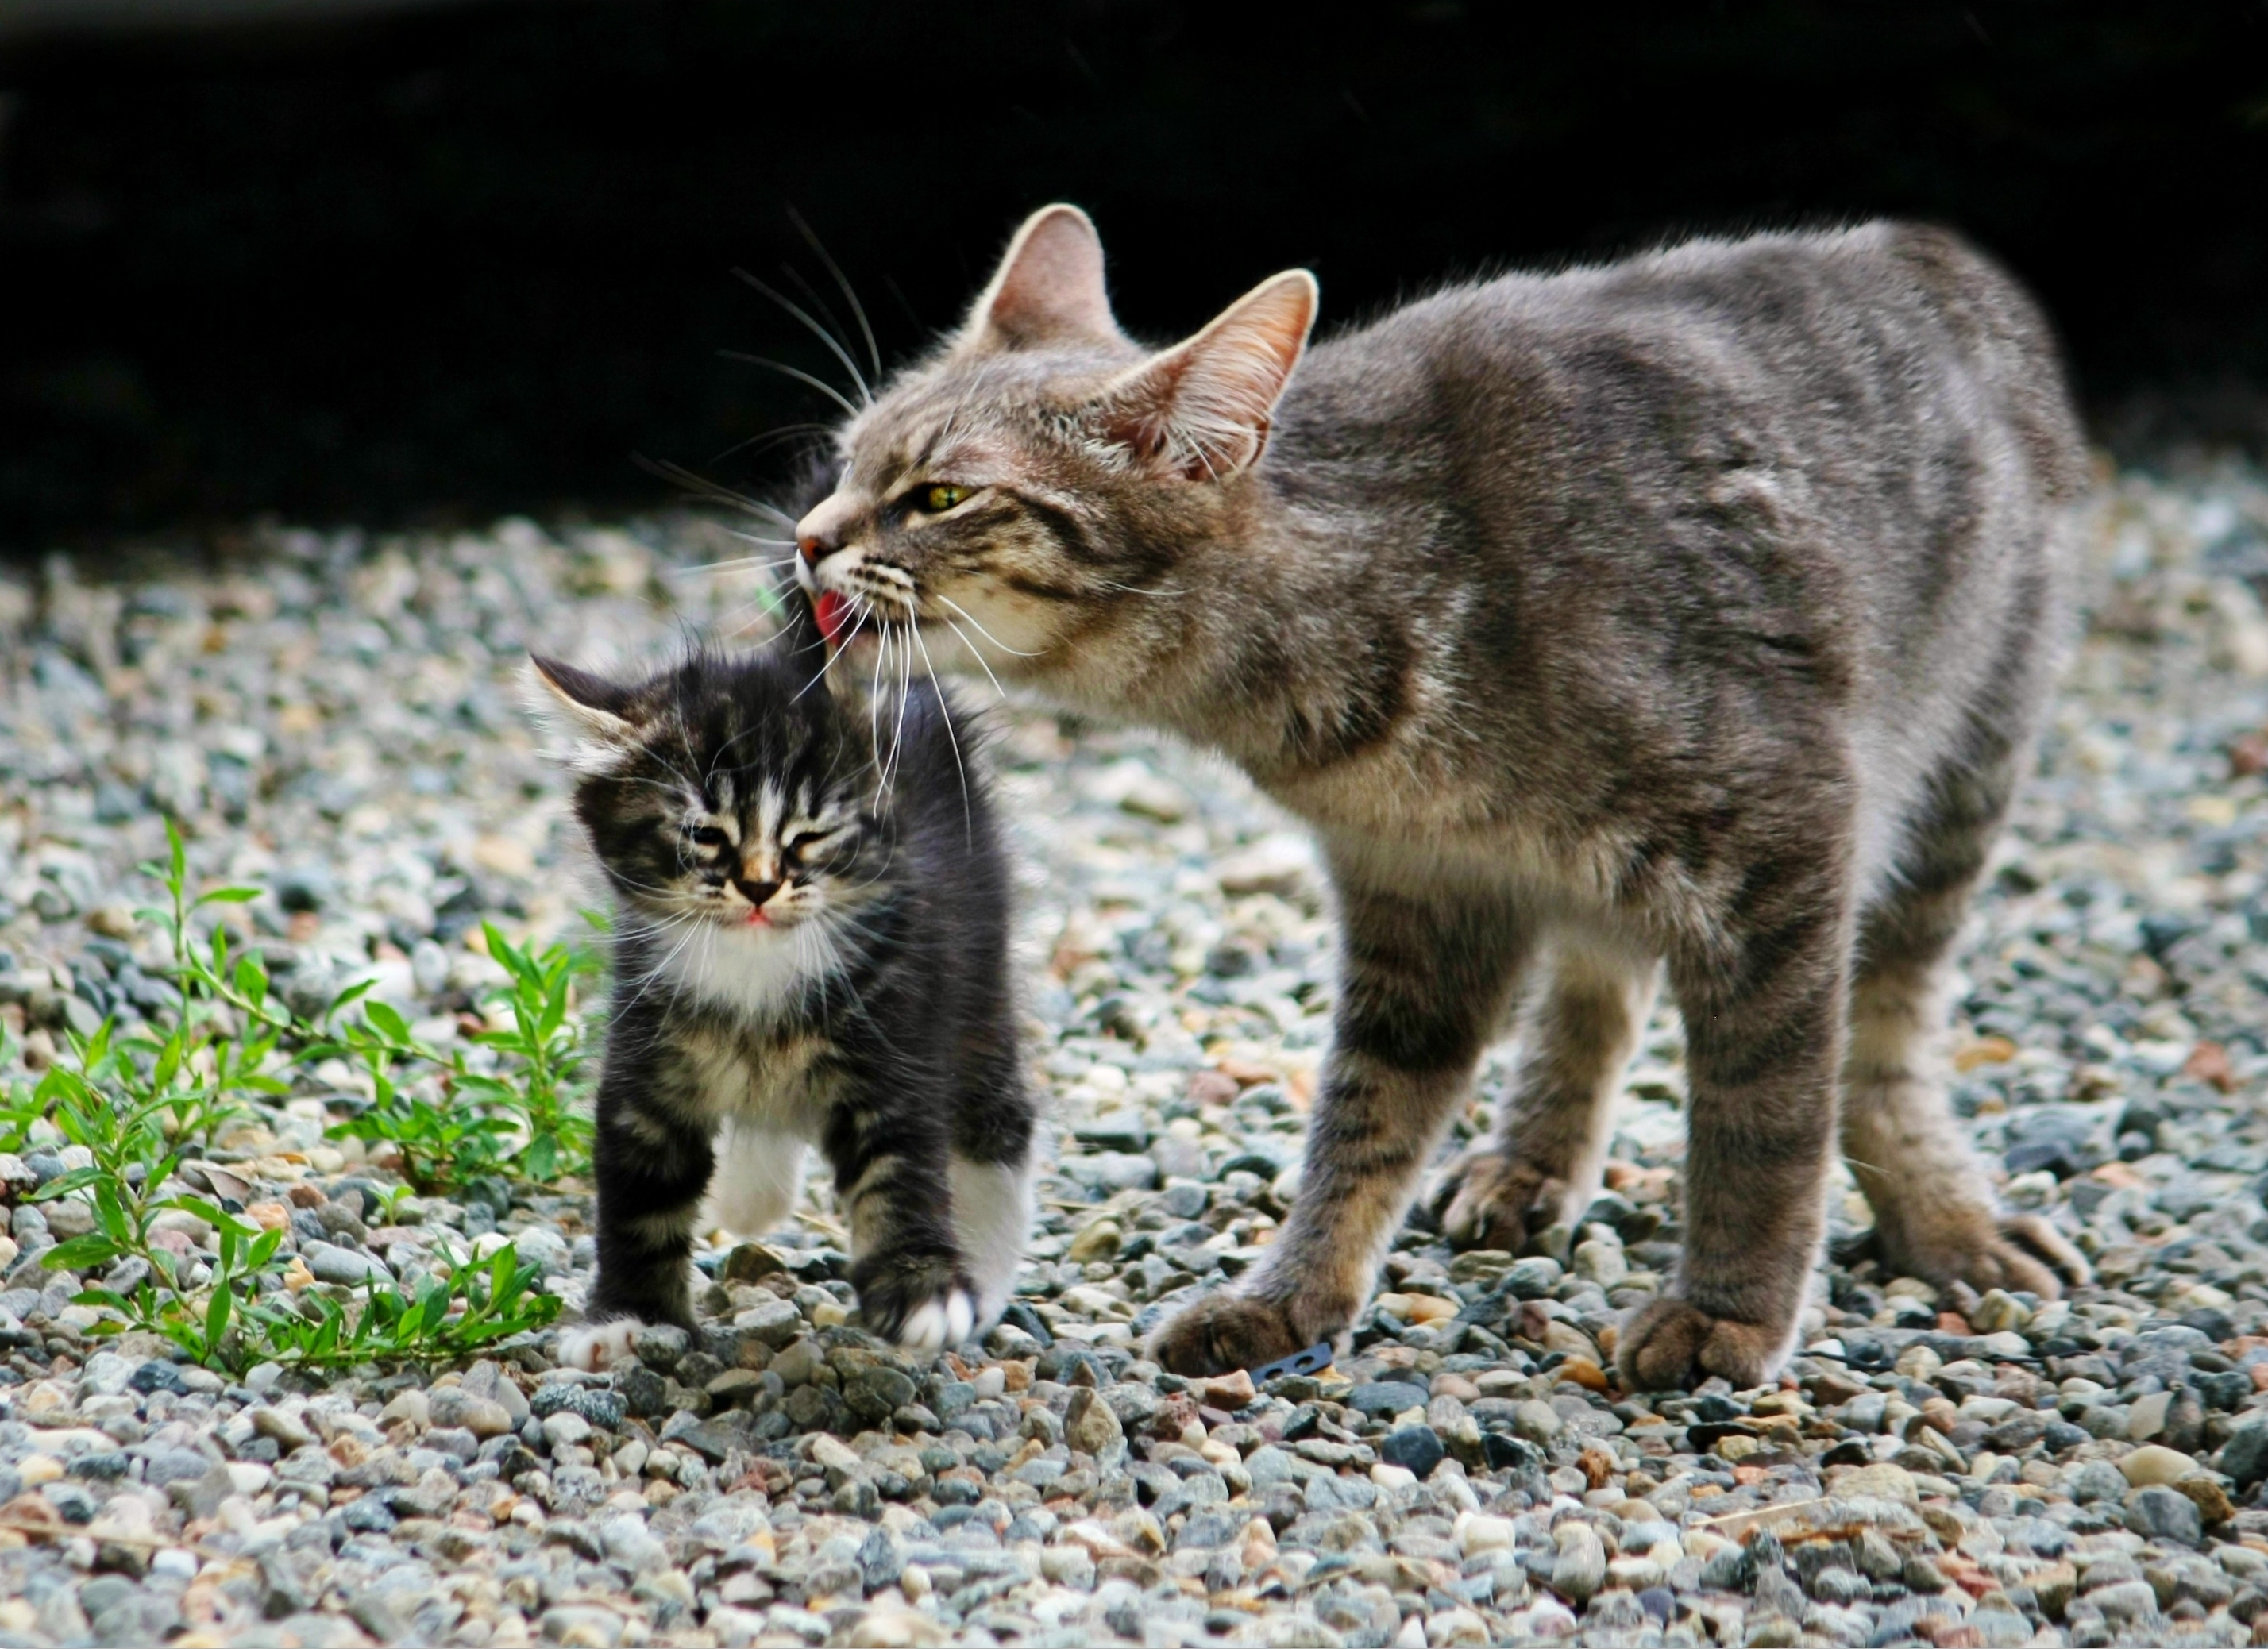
(821, 534)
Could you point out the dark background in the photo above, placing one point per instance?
(419, 264)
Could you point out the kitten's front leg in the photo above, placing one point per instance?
(1422, 982)
(891, 1174)
(1763, 1024)
(652, 1158)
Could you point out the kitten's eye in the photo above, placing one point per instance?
(709, 837)
(944, 495)
(799, 845)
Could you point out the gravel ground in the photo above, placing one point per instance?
(337, 719)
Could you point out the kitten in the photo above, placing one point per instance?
(806, 952)
(1687, 615)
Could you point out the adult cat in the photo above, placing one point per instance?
(1691, 612)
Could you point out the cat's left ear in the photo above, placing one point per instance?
(598, 716)
(1048, 289)
(1201, 410)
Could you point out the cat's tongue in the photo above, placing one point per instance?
(829, 609)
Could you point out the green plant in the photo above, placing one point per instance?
(522, 1119)
(135, 1102)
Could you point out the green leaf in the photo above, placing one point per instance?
(226, 896)
(385, 1020)
(78, 1253)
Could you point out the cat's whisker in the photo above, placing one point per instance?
(858, 614)
(1130, 589)
(978, 653)
(737, 564)
(825, 337)
(981, 630)
(945, 715)
(816, 433)
(858, 309)
(819, 384)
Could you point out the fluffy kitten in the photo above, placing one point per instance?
(804, 954)
(1688, 615)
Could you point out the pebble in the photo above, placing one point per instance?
(1466, 1472)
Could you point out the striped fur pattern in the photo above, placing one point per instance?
(1683, 620)
(806, 957)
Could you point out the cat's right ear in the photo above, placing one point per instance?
(1048, 288)
(594, 715)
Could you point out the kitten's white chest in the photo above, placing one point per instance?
(750, 973)
(762, 1077)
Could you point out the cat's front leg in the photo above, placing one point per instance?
(652, 1159)
(1763, 1009)
(1422, 981)
(1541, 1165)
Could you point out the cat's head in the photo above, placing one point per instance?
(1042, 469)
(721, 791)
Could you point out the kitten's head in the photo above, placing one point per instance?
(1042, 469)
(723, 791)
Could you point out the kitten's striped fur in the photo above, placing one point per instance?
(865, 1011)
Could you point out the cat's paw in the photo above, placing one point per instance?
(1985, 1251)
(1225, 1332)
(924, 1306)
(1488, 1200)
(594, 1347)
(1669, 1343)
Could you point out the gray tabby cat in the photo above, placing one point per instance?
(1688, 615)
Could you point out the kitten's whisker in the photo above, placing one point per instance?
(981, 630)
(817, 331)
(819, 384)
(858, 309)
(1130, 589)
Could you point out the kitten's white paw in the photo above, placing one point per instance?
(595, 1346)
(939, 1323)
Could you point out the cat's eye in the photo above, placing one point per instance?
(709, 837)
(942, 496)
(800, 844)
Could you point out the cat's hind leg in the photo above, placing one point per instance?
(1935, 1216)
(1576, 1038)
(1424, 980)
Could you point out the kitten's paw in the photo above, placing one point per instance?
(923, 1305)
(595, 1346)
(1222, 1333)
(1984, 1250)
(1670, 1343)
(1488, 1200)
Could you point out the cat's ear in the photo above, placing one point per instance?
(1048, 288)
(597, 716)
(1201, 410)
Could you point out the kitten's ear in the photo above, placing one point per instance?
(1201, 410)
(1048, 288)
(595, 714)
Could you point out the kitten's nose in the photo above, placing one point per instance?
(756, 893)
